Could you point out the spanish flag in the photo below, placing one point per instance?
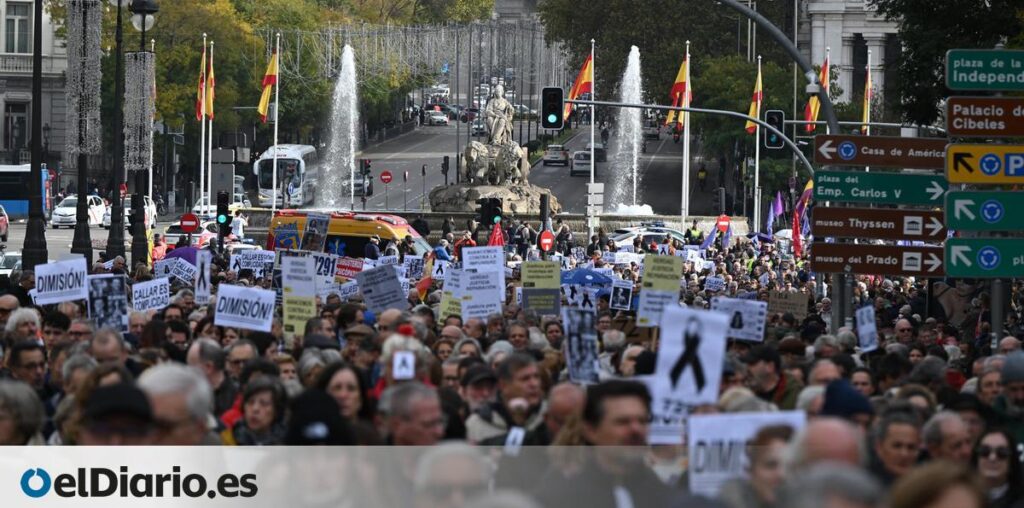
(584, 84)
(755, 101)
(868, 93)
(200, 96)
(269, 80)
(211, 83)
(811, 110)
(682, 95)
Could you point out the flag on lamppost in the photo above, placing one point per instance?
(269, 80)
(813, 105)
(584, 84)
(201, 88)
(755, 103)
(211, 84)
(681, 94)
(776, 211)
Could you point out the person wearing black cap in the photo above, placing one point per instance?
(372, 250)
(766, 378)
(477, 386)
(117, 414)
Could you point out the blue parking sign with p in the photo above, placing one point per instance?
(1015, 164)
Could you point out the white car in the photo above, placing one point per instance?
(556, 154)
(437, 118)
(580, 163)
(9, 261)
(150, 213)
(207, 229)
(64, 214)
(479, 129)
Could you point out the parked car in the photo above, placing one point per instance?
(207, 230)
(522, 109)
(556, 154)
(469, 114)
(580, 163)
(64, 214)
(9, 261)
(363, 186)
(649, 233)
(151, 214)
(652, 129)
(479, 129)
(5, 224)
(600, 153)
(437, 118)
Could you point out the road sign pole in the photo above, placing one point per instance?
(386, 205)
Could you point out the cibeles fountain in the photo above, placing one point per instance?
(497, 169)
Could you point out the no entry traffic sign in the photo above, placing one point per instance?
(547, 240)
(385, 176)
(189, 223)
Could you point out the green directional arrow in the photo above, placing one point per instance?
(890, 188)
(985, 210)
(984, 257)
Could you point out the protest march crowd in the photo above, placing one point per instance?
(716, 367)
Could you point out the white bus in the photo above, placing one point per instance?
(298, 169)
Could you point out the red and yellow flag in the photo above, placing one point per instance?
(200, 96)
(269, 80)
(811, 110)
(211, 83)
(755, 103)
(584, 84)
(681, 94)
(868, 93)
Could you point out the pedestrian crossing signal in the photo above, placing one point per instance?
(776, 118)
(552, 103)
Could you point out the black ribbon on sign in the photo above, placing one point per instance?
(690, 356)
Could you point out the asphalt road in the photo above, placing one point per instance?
(58, 241)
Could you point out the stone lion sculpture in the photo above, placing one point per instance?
(493, 164)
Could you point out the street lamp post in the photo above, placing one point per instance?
(115, 240)
(34, 251)
(143, 18)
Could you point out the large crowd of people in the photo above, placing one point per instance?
(934, 417)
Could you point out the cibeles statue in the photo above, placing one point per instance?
(501, 161)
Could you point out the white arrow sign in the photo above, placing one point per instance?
(961, 206)
(934, 226)
(936, 190)
(826, 149)
(933, 262)
(960, 255)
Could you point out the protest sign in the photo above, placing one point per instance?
(347, 269)
(660, 287)
(440, 270)
(622, 294)
(414, 267)
(608, 257)
(689, 367)
(325, 266)
(108, 301)
(693, 256)
(451, 294)
(785, 301)
(541, 281)
(867, 329)
(634, 333)
(298, 283)
(316, 232)
(255, 260)
(286, 236)
(152, 295)
(714, 284)
(61, 281)
(245, 307)
(387, 260)
(381, 289)
(486, 259)
(164, 267)
(204, 260)
(481, 292)
(581, 346)
(579, 253)
(184, 271)
(718, 445)
(746, 317)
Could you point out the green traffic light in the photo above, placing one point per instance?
(497, 219)
(221, 219)
(552, 118)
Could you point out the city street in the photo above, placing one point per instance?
(58, 241)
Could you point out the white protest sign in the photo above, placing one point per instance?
(381, 289)
(689, 367)
(414, 267)
(245, 307)
(486, 259)
(867, 329)
(622, 294)
(325, 266)
(714, 284)
(718, 442)
(387, 260)
(61, 281)
(746, 317)
(164, 267)
(204, 260)
(693, 256)
(608, 257)
(581, 357)
(440, 269)
(298, 276)
(403, 365)
(152, 295)
(481, 294)
(255, 260)
(184, 271)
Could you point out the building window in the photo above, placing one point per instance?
(17, 28)
(15, 125)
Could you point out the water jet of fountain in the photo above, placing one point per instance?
(339, 167)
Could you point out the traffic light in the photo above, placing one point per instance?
(364, 166)
(223, 214)
(776, 118)
(552, 105)
(482, 210)
(495, 211)
(135, 202)
(444, 165)
(489, 211)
